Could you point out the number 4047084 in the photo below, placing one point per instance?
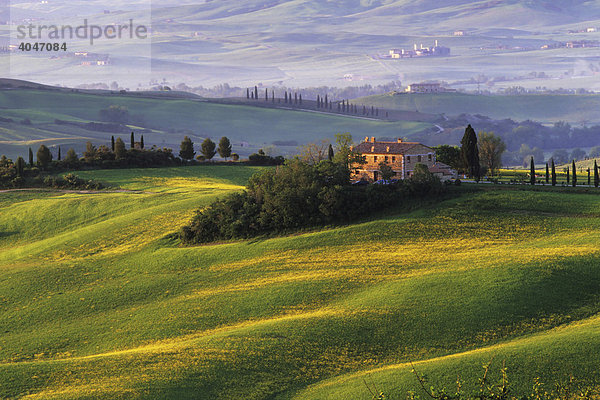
(40, 46)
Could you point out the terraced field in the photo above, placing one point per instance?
(98, 300)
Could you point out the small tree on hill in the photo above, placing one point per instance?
(532, 171)
(208, 149)
(224, 148)
(186, 150)
(553, 174)
(330, 153)
(596, 175)
(142, 142)
(568, 176)
(44, 156)
(112, 143)
(235, 157)
(90, 152)
(574, 175)
(30, 157)
(71, 157)
(132, 140)
(491, 148)
(58, 157)
(547, 174)
(120, 151)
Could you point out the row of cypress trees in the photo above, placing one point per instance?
(321, 103)
(551, 174)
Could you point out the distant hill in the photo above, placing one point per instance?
(301, 43)
(30, 117)
(540, 107)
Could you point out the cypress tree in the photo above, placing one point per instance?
(364, 110)
(112, 144)
(285, 97)
(326, 101)
(470, 153)
(574, 175)
(58, 158)
(589, 176)
(532, 171)
(266, 94)
(318, 101)
(330, 105)
(120, 152)
(596, 176)
(247, 93)
(44, 156)
(132, 140)
(372, 110)
(568, 176)
(142, 142)
(295, 98)
(273, 95)
(553, 174)
(256, 92)
(547, 174)
(20, 165)
(339, 107)
(30, 157)
(330, 153)
(300, 98)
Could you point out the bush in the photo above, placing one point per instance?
(71, 181)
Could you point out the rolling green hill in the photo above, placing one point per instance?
(543, 107)
(97, 300)
(167, 121)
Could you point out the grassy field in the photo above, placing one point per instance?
(542, 107)
(170, 120)
(98, 300)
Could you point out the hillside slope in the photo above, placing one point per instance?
(164, 122)
(98, 300)
(543, 107)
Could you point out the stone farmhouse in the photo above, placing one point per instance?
(401, 156)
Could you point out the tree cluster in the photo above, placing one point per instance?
(298, 195)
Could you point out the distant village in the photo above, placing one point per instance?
(420, 51)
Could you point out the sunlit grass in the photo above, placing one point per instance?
(98, 300)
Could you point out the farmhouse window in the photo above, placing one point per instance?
(386, 158)
(407, 159)
(418, 158)
(429, 156)
(375, 159)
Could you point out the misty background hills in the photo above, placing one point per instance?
(301, 43)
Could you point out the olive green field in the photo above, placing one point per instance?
(99, 300)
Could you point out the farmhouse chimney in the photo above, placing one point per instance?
(399, 140)
(366, 139)
(372, 139)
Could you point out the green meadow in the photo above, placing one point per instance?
(166, 121)
(538, 107)
(99, 300)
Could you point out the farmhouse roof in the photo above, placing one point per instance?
(398, 147)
